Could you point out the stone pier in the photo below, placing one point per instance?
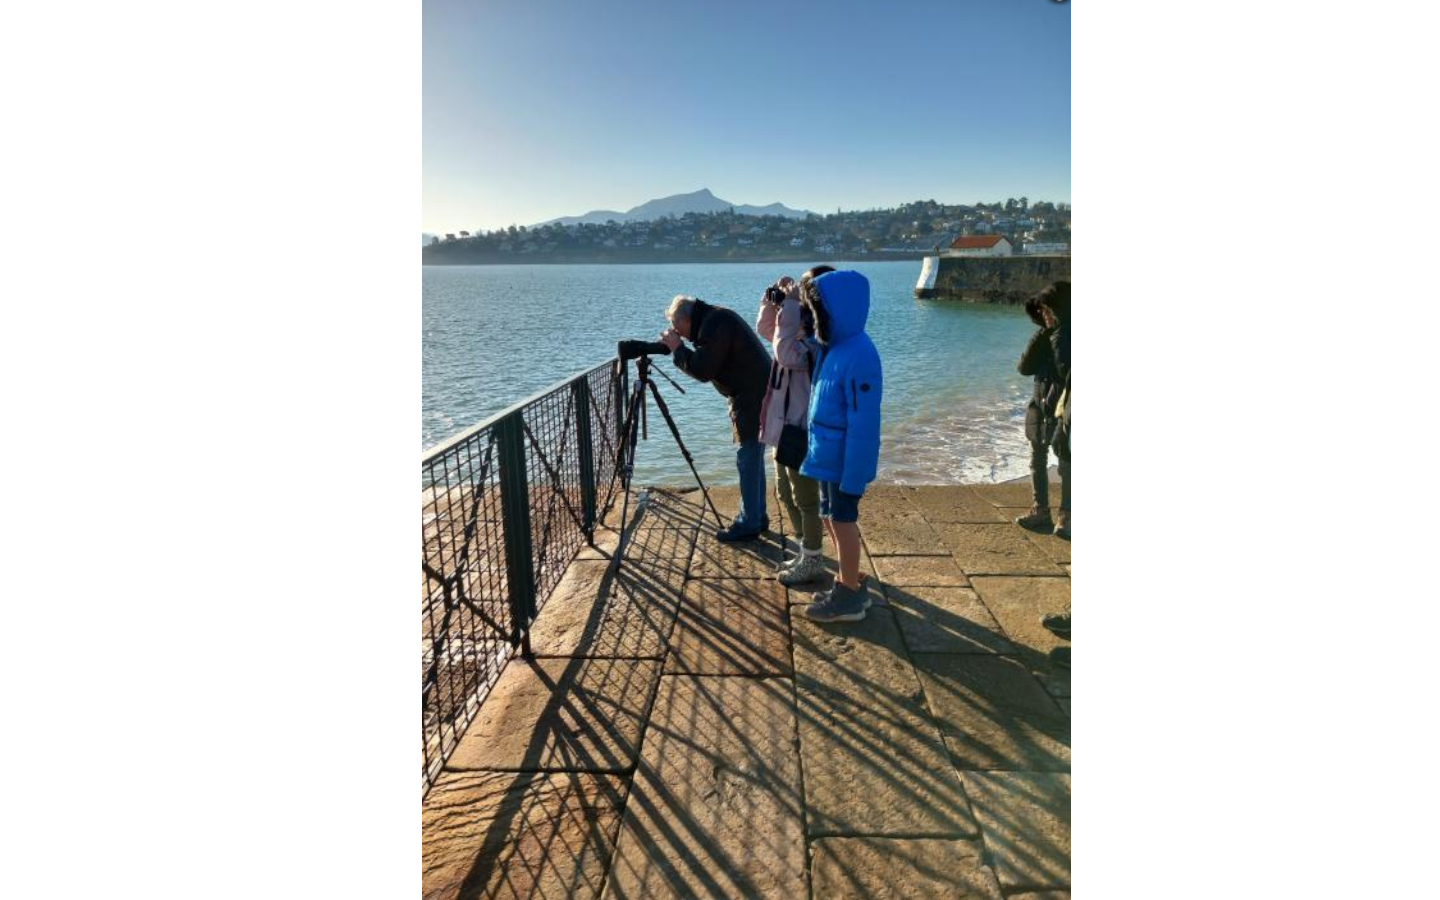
(684, 731)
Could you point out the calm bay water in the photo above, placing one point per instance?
(953, 408)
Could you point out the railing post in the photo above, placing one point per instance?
(622, 398)
(580, 390)
(515, 506)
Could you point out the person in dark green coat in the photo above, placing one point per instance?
(1038, 361)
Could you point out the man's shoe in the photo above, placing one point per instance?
(1060, 656)
(1062, 527)
(732, 534)
(804, 571)
(843, 605)
(1057, 624)
(1038, 519)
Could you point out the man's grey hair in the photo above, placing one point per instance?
(682, 306)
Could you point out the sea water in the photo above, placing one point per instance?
(953, 407)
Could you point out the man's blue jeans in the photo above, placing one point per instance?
(750, 461)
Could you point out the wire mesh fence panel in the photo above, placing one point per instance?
(504, 509)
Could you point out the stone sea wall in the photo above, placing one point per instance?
(994, 279)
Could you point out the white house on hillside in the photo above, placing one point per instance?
(980, 245)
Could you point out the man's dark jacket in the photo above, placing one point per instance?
(1039, 360)
(728, 354)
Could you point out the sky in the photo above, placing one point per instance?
(535, 109)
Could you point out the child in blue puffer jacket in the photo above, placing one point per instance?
(844, 428)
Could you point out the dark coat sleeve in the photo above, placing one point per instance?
(1036, 358)
(712, 345)
(1060, 347)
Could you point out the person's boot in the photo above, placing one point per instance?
(1038, 519)
(1062, 526)
(810, 567)
(1057, 624)
(787, 561)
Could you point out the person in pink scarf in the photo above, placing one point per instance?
(787, 399)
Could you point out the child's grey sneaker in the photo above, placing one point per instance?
(808, 569)
(875, 599)
(843, 605)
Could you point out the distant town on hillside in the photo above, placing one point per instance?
(907, 231)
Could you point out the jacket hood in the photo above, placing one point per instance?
(844, 305)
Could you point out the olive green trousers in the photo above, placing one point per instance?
(800, 498)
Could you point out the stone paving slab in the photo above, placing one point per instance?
(1026, 820)
(901, 869)
(508, 834)
(996, 550)
(994, 714)
(953, 505)
(571, 714)
(742, 559)
(654, 538)
(866, 656)
(905, 571)
(897, 531)
(727, 501)
(863, 722)
(715, 809)
(1019, 604)
(1057, 548)
(1015, 494)
(945, 620)
(1041, 895)
(731, 627)
(885, 496)
(600, 612)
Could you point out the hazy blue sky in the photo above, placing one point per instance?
(535, 109)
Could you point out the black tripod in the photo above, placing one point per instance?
(633, 426)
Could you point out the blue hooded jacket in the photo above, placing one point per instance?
(846, 390)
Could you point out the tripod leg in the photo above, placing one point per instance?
(626, 464)
(675, 430)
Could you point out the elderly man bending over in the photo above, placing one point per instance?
(728, 354)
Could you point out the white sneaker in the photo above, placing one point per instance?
(806, 570)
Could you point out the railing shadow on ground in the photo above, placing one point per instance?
(537, 836)
(534, 846)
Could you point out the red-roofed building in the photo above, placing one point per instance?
(980, 245)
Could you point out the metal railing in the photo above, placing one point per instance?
(505, 507)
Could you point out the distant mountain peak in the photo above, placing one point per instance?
(701, 201)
